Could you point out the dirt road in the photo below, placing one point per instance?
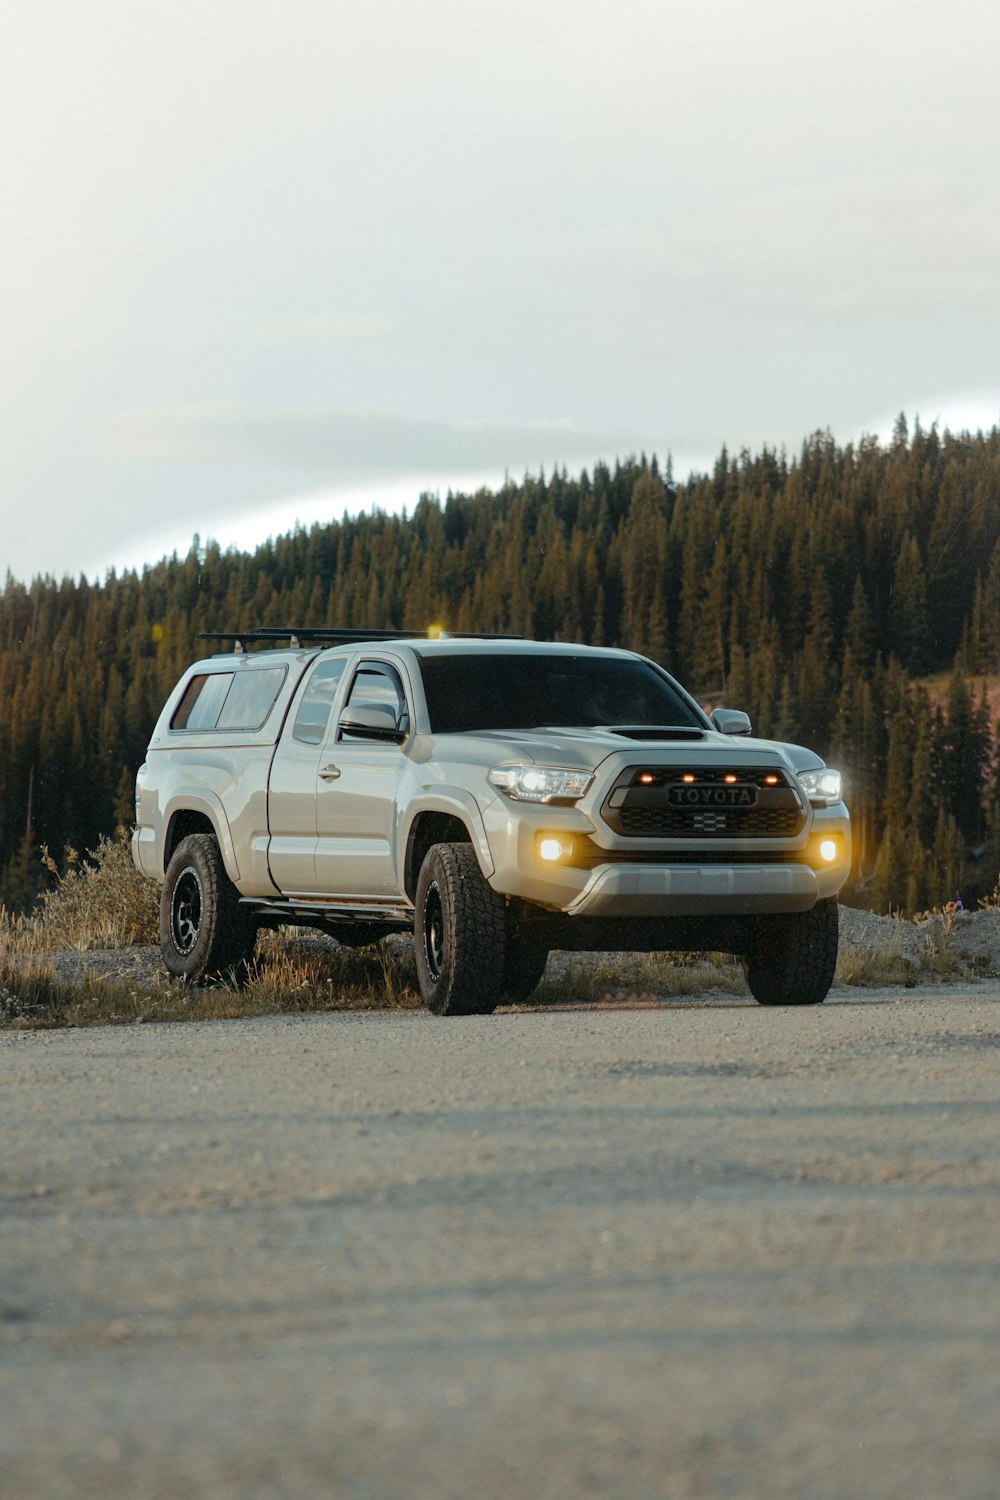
(697, 1250)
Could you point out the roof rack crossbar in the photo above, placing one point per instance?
(342, 635)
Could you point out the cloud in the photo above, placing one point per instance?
(340, 444)
(949, 411)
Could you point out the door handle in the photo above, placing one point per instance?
(329, 773)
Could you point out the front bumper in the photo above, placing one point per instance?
(686, 890)
(660, 886)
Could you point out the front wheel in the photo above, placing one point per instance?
(792, 958)
(204, 931)
(459, 934)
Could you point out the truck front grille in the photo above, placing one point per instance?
(704, 802)
(680, 823)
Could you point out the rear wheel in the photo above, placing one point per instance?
(459, 934)
(204, 931)
(792, 958)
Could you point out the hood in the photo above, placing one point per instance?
(585, 749)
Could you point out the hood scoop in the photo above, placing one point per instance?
(647, 732)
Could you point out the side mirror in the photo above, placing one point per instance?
(373, 721)
(731, 721)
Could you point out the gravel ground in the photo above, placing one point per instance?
(972, 936)
(698, 1250)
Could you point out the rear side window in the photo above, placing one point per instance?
(251, 698)
(229, 700)
(203, 697)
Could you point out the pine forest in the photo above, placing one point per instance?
(848, 599)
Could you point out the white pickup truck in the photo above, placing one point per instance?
(496, 797)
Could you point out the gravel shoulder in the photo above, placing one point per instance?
(654, 1252)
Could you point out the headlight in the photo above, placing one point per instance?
(821, 785)
(540, 783)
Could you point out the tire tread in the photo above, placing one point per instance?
(230, 931)
(793, 958)
(474, 914)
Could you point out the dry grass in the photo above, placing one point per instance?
(924, 951)
(102, 902)
(97, 901)
(610, 978)
(308, 976)
(284, 979)
(878, 963)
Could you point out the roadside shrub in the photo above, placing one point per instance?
(98, 901)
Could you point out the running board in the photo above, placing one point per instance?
(399, 912)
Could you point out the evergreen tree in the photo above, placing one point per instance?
(909, 630)
(965, 758)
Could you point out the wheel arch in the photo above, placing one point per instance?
(202, 813)
(443, 823)
(205, 930)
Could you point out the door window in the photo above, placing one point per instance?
(377, 685)
(314, 710)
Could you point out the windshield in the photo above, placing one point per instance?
(525, 692)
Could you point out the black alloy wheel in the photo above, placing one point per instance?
(186, 906)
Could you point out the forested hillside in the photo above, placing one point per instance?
(812, 592)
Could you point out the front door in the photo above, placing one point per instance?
(295, 783)
(358, 794)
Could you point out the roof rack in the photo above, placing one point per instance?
(299, 635)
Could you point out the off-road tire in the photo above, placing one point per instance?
(459, 934)
(792, 958)
(205, 933)
(523, 967)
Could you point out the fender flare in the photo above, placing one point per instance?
(211, 807)
(454, 802)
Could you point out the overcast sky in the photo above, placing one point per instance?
(262, 259)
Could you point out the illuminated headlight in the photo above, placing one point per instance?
(540, 783)
(821, 785)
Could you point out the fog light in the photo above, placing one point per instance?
(552, 848)
(828, 850)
